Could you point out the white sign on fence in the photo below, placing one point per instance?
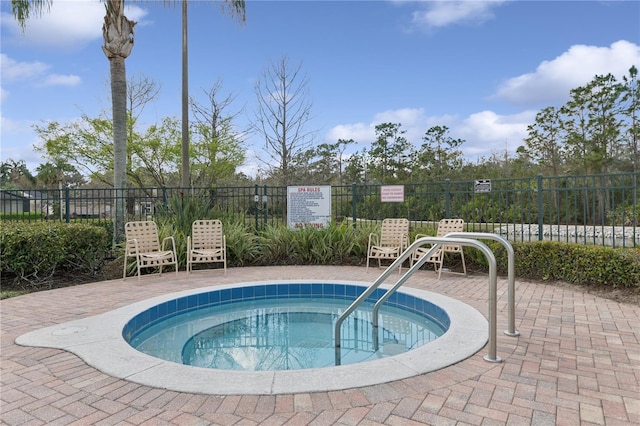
(392, 193)
(308, 206)
(483, 185)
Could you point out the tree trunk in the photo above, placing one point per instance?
(117, 32)
(119, 106)
(186, 173)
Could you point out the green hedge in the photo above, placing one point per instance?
(25, 217)
(32, 253)
(569, 262)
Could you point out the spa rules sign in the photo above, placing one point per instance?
(308, 206)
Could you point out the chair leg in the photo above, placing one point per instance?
(440, 263)
(124, 268)
(464, 266)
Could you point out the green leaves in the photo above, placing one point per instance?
(32, 253)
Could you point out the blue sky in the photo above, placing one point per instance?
(482, 68)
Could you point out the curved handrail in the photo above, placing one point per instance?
(438, 241)
(511, 272)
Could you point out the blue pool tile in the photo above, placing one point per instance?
(316, 289)
(192, 301)
(203, 299)
(283, 290)
(225, 295)
(181, 304)
(154, 313)
(351, 291)
(260, 291)
(327, 290)
(236, 293)
(248, 292)
(162, 309)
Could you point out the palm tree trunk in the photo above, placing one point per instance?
(117, 32)
(119, 108)
(186, 174)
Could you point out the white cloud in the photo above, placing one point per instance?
(68, 24)
(14, 70)
(441, 13)
(12, 131)
(406, 116)
(61, 80)
(359, 132)
(484, 132)
(34, 73)
(552, 80)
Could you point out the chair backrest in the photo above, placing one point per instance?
(206, 234)
(145, 233)
(394, 232)
(446, 226)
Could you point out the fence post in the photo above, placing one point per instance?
(264, 204)
(255, 199)
(354, 203)
(67, 207)
(447, 198)
(540, 210)
(164, 194)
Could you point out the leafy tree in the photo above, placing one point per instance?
(440, 154)
(630, 109)
(15, 174)
(217, 150)
(282, 116)
(544, 141)
(592, 125)
(356, 169)
(155, 155)
(57, 174)
(390, 154)
(326, 162)
(86, 143)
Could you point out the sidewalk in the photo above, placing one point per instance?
(577, 361)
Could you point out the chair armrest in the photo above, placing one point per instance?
(173, 243)
(129, 242)
(404, 242)
(373, 239)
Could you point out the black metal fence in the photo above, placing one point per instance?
(590, 209)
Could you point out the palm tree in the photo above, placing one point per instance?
(117, 32)
(237, 8)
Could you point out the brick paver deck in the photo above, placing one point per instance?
(576, 362)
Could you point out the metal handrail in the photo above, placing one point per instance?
(511, 272)
(438, 241)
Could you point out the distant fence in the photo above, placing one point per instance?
(590, 209)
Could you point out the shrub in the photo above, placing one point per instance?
(32, 253)
(570, 262)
